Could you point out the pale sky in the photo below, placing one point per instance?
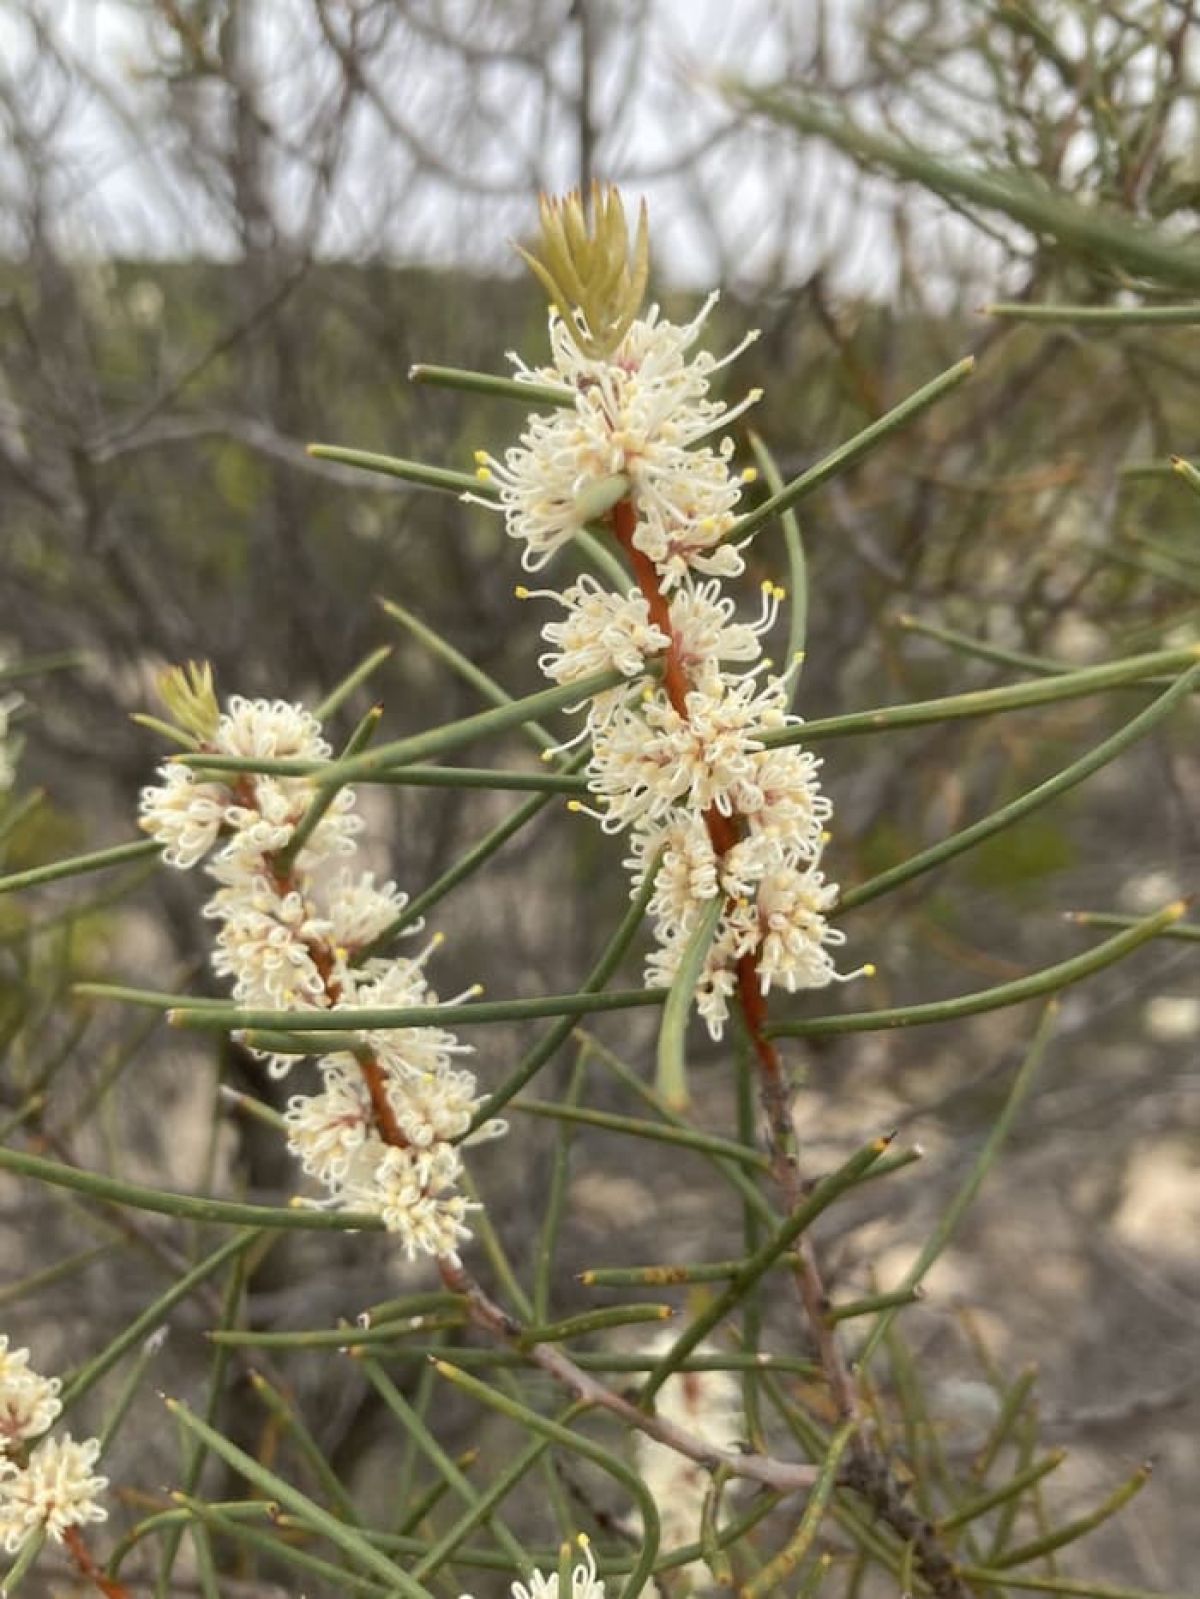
(126, 171)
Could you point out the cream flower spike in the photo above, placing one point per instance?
(585, 1584)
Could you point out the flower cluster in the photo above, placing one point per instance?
(46, 1484)
(708, 1405)
(678, 755)
(585, 1584)
(296, 931)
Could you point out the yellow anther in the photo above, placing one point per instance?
(521, 591)
(546, 755)
(799, 655)
(779, 592)
(481, 457)
(483, 473)
(438, 939)
(574, 805)
(826, 836)
(767, 586)
(750, 474)
(870, 969)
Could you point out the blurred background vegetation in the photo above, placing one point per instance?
(228, 227)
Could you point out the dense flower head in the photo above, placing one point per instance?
(54, 1491)
(680, 759)
(585, 1584)
(46, 1483)
(29, 1403)
(639, 413)
(297, 931)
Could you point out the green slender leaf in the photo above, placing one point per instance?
(434, 741)
(633, 1127)
(1083, 227)
(556, 1198)
(1105, 316)
(186, 1207)
(546, 1048)
(414, 1427)
(1074, 1530)
(325, 795)
(532, 1422)
(97, 861)
(671, 1075)
(793, 543)
(985, 701)
(940, 1238)
(351, 1020)
(846, 454)
(529, 394)
(823, 1194)
(1080, 1589)
(443, 650)
(798, 1546)
(338, 695)
(466, 867)
(151, 1318)
(428, 477)
(347, 1539)
(1036, 986)
(1184, 932)
(938, 854)
(1012, 1489)
(592, 1321)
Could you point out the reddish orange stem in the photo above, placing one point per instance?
(723, 830)
(81, 1555)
